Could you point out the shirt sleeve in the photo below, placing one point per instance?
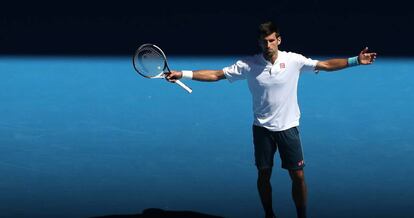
(307, 64)
(236, 71)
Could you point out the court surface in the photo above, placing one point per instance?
(86, 136)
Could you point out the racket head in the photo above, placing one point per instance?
(150, 61)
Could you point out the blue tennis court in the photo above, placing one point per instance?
(87, 136)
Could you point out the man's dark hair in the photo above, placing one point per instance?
(267, 28)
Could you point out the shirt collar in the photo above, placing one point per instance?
(263, 59)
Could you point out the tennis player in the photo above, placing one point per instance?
(272, 78)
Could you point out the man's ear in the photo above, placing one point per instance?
(279, 40)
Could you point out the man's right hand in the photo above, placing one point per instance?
(173, 76)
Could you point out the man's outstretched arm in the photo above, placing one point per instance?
(199, 75)
(363, 58)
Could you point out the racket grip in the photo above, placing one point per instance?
(184, 86)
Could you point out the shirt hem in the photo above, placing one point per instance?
(276, 129)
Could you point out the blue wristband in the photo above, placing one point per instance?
(353, 61)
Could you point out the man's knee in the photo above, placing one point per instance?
(297, 175)
(264, 174)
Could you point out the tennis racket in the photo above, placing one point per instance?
(150, 62)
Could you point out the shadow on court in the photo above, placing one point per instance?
(158, 213)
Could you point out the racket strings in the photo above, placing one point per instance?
(149, 62)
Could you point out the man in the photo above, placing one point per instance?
(272, 78)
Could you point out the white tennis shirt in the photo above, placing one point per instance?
(273, 87)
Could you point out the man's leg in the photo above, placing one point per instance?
(299, 191)
(264, 151)
(265, 191)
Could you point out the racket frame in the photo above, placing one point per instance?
(165, 67)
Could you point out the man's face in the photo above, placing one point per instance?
(269, 44)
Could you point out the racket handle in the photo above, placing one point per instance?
(184, 86)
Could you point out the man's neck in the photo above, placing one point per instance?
(272, 58)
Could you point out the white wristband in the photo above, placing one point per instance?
(187, 74)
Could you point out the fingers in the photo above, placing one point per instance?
(365, 50)
(169, 77)
(372, 56)
(367, 58)
(173, 76)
